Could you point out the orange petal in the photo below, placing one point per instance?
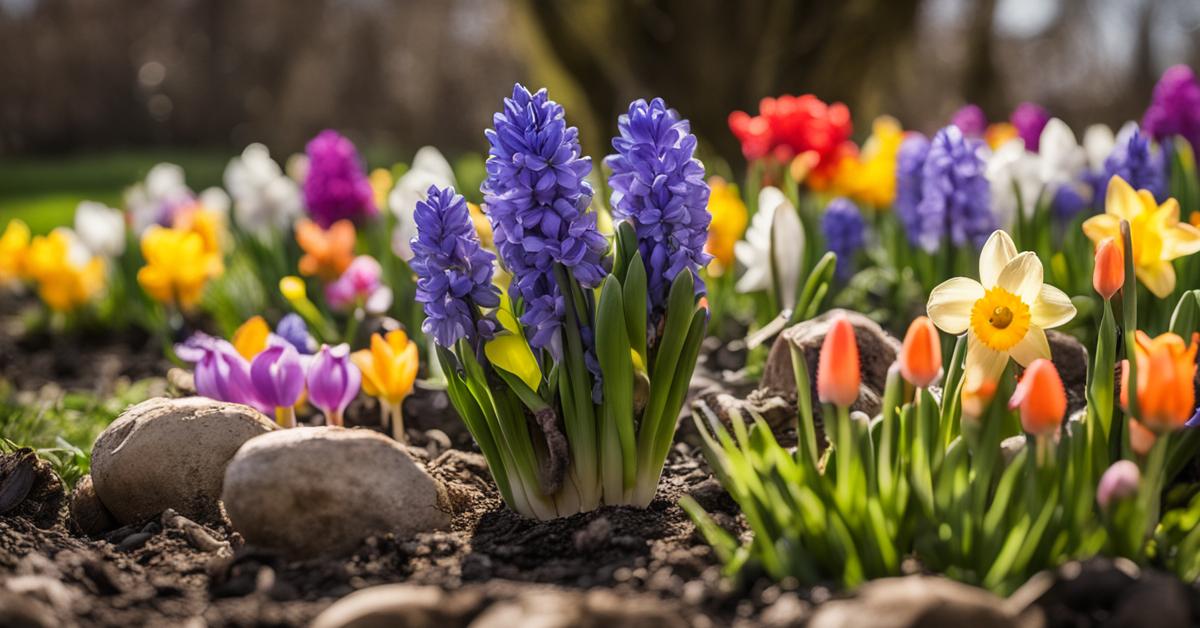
(1041, 397)
(838, 375)
(921, 353)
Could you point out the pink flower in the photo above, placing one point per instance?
(360, 281)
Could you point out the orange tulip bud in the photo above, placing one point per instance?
(921, 353)
(838, 376)
(1109, 274)
(1165, 385)
(1141, 440)
(1041, 397)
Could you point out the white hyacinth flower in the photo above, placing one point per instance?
(100, 228)
(429, 167)
(264, 198)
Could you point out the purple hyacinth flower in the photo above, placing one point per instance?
(537, 197)
(336, 186)
(844, 231)
(333, 381)
(941, 191)
(910, 162)
(1068, 201)
(970, 120)
(1030, 119)
(294, 330)
(278, 376)
(220, 372)
(360, 280)
(1175, 107)
(659, 188)
(454, 273)
(1139, 163)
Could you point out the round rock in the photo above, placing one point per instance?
(315, 491)
(170, 453)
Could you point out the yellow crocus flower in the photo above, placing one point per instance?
(1157, 235)
(206, 223)
(389, 369)
(381, 182)
(66, 275)
(251, 337)
(14, 247)
(178, 266)
(729, 217)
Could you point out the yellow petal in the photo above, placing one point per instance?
(251, 338)
(504, 314)
(370, 381)
(950, 304)
(1121, 200)
(511, 353)
(1022, 276)
(1180, 240)
(997, 252)
(1102, 226)
(1052, 308)
(1158, 277)
(1033, 346)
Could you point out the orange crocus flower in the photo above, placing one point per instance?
(1041, 397)
(327, 252)
(838, 375)
(1166, 375)
(921, 353)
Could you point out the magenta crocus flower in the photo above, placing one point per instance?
(336, 186)
(1029, 119)
(1175, 108)
(357, 284)
(970, 120)
(333, 381)
(278, 378)
(220, 372)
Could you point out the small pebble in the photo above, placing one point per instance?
(134, 541)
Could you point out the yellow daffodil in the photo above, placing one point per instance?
(206, 223)
(1156, 233)
(389, 369)
(870, 178)
(251, 338)
(67, 275)
(1004, 314)
(381, 183)
(510, 351)
(178, 266)
(729, 219)
(483, 226)
(14, 247)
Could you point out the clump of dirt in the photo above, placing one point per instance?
(30, 489)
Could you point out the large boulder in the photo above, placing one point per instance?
(923, 602)
(1070, 357)
(170, 453)
(314, 491)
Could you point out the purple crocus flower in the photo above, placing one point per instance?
(844, 231)
(294, 330)
(658, 187)
(278, 379)
(360, 280)
(454, 273)
(942, 193)
(537, 198)
(336, 186)
(1030, 119)
(220, 372)
(1175, 108)
(970, 120)
(333, 381)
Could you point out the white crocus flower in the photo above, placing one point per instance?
(1062, 159)
(776, 219)
(1015, 177)
(1004, 314)
(215, 200)
(429, 167)
(155, 200)
(1098, 143)
(100, 228)
(264, 198)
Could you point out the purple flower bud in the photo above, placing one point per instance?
(293, 329)
(333, 381)
(359, 282)
(1030, 119)
(1120, 481)
(220, 372)
(970, 120)
(278, 376)
(336, 186)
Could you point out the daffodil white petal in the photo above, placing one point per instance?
(997, 252)
(983, 364)
(1022, 276)
(1052, 308)
(950, 304)
(1033, 346)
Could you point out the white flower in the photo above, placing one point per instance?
(155, 200)
(1062, 158)
(1004, 314)
(264, 198)
(1098, 143)
(775, 221)
(429, 167)
(215, 200)
(1014, 174)
(100, 228)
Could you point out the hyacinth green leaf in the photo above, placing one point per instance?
(814, 289)
(627, 247)
(1185, 320)
(634, 286)
(613, 351)
(477, 424)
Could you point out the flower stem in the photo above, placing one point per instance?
(285, 416)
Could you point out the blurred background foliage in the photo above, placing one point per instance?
(96, 91)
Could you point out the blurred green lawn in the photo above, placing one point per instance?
(44, 191)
